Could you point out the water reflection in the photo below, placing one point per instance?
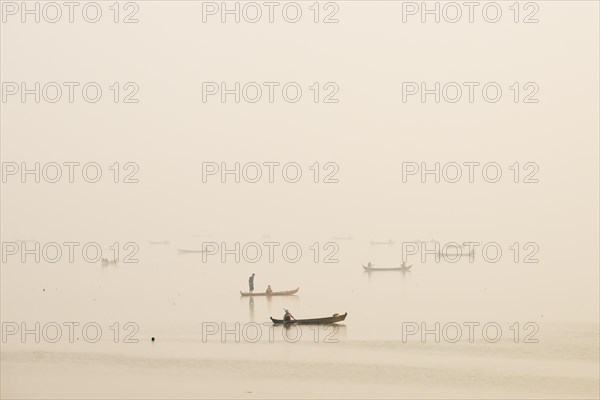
(251, 309)
(275, 306)
(326, 334)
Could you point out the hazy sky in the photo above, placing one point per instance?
(369, 133)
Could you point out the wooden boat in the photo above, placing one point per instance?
(25, 240)
(389, 243)
(371, 268)
(314, 321)
(342, 237)
(190, 251)
(285, 293)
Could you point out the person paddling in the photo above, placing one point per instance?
(287, 317)
(251, 282)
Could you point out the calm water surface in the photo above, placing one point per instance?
(212, 342)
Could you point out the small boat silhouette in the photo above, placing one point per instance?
(389, 242)
(164, 242)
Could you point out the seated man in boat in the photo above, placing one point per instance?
(269, 290)
(287, 317)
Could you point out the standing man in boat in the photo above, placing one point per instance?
(251, 282)
(269, 290)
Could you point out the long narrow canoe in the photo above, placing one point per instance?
(389, 242)
(285, 293)
(315, 321)
(369, 269)
(163, 242)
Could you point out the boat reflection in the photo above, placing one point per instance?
(251, 309)
(275, 305)
(330, 333)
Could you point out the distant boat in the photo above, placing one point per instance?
(342, 238)
(285, 293)
(163, 242)
(389, 242)
(105, 261)
(201, 235)
(314, 321)
(190, 251)
(370, 267)
(426, 241)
